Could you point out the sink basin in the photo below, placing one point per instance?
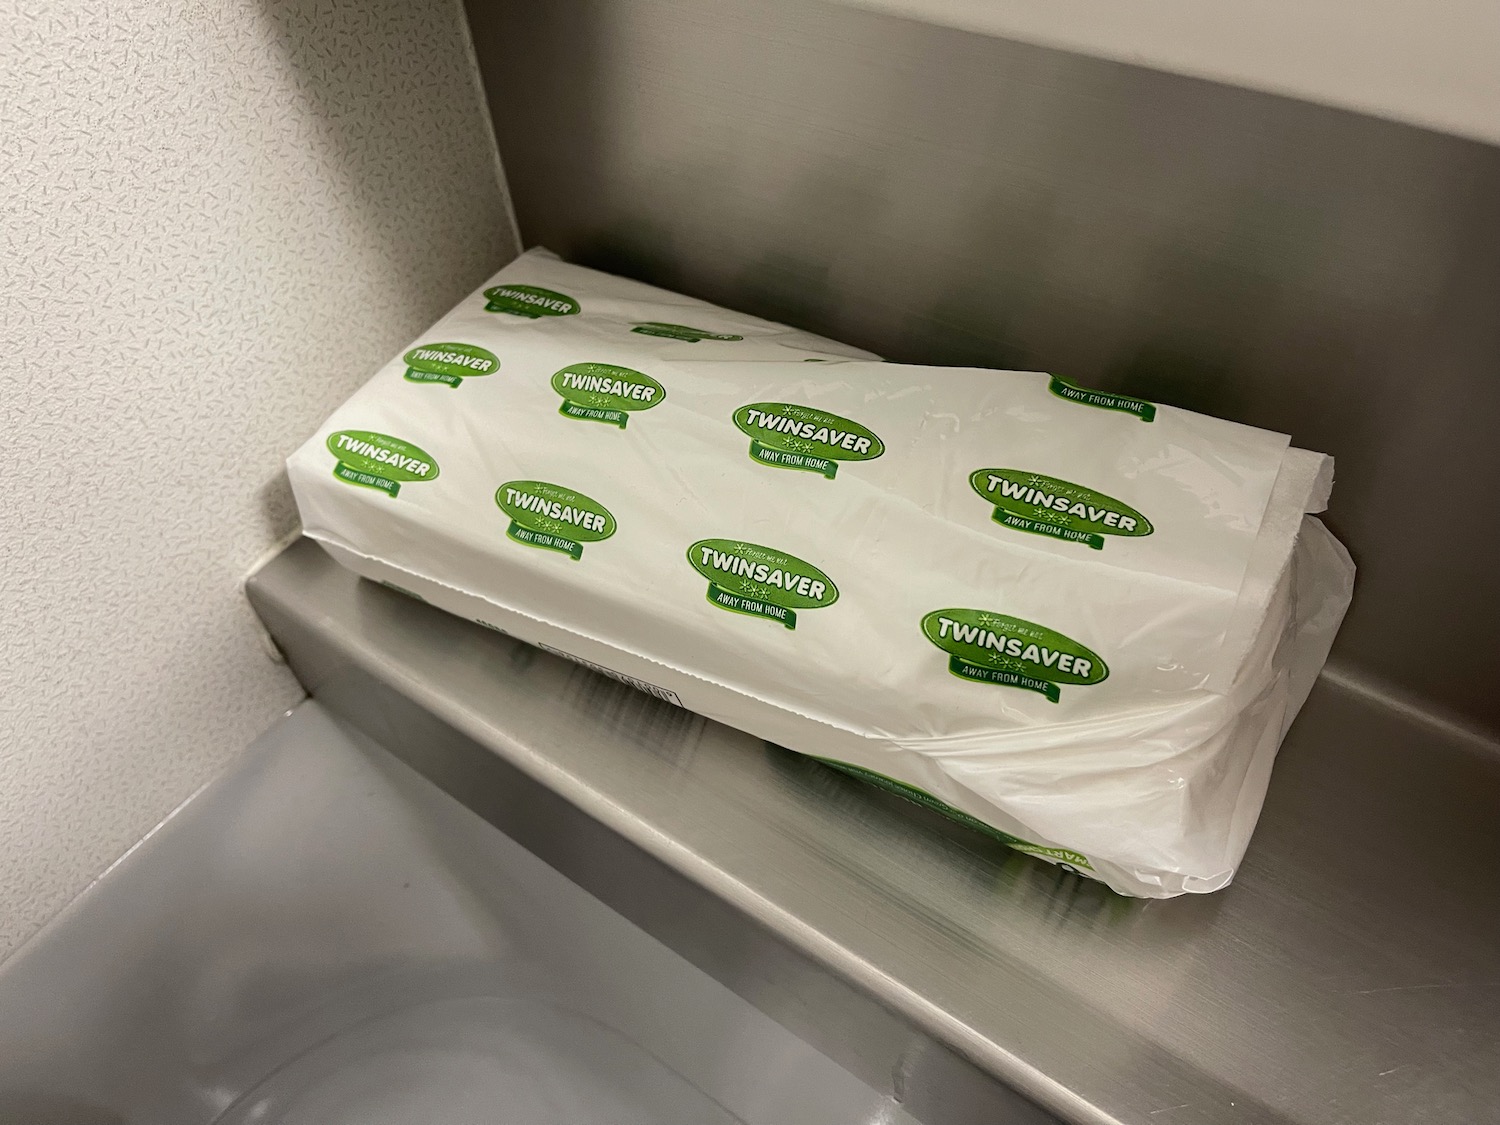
(322, 936)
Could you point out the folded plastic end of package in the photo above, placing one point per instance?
(1077, 620)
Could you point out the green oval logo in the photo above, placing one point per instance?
(760, 581)
(529, 300)
(605, 392)
(373, 460)
(788, 436)
(680, 332)
(1060, 509)
(448, 363)
(552, 517)
(994, 648)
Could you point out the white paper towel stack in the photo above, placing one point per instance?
(1078, 620)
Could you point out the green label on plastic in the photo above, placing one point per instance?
(528, 300)
(927, 800)
(994, 648)
(788, 436)
(605, 392)
(760, 581)
(680, 332)
(1057, 508)
(379, 461)
(448, 363)
(552, 517)
(1104, 400)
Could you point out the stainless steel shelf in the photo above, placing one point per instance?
(1350, 975)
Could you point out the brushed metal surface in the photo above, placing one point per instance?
(1350, 976)
(319, 919)
(944, 197)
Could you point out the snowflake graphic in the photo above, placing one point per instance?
(551, 525)
(800, 445)
(754, 589)
(1003, 662)
(1050, 516)
(991, 620)
(1037, 482)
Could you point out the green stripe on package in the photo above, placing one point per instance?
(1058, 509)
(553, 518)
(449, 363)
(605, 392)
(680, 332)
(1104, 400)
(785, 435)
(760, 581)
(995, 648)
(1066, 856)
(529, 301)
(379, 461)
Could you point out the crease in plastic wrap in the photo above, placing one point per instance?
(1078, 620)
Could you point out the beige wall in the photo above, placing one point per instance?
(216, 219)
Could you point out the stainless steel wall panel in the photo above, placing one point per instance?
(945, 197)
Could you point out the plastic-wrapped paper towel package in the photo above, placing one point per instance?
(1078, 620)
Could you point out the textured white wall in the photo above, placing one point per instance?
(217, 217)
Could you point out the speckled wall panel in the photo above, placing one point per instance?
(216, 219)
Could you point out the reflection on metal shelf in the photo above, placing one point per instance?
(1347, 976)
